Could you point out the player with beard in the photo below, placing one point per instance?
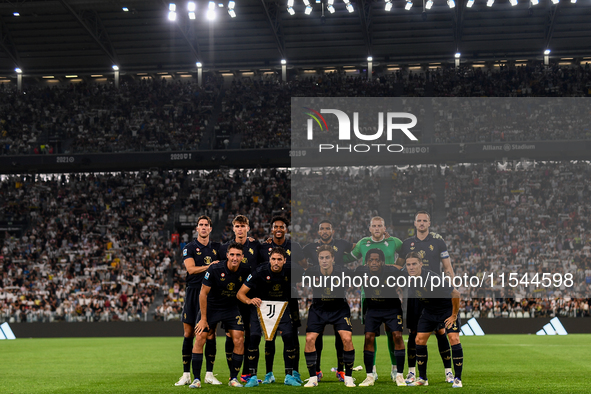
(252, 258)
(198, 255)
(270, 282)
(340, 247)
(434, 256)
(279, 229)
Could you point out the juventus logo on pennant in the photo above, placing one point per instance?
(270, 314)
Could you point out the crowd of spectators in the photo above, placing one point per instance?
(143, 115)
(161, 115)
(527, 218)
(96, 247)
(349, 197)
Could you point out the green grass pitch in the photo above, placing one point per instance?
(493, 364)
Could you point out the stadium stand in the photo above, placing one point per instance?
(97, 246)
(158, 115)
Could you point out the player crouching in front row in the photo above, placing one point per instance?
(441, 305)
(219, 304)
(270, 285)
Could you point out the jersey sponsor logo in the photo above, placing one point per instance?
(444, 255)
(184, 252)
(207, 275)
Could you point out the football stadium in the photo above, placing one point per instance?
(312, 195)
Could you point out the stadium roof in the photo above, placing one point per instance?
(90, 36)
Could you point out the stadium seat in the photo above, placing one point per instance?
(519, 315)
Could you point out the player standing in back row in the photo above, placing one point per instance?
(434, 256)
(197, 255)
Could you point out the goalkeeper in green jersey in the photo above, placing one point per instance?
(379, 239)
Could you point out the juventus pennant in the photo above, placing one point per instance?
(270, 313)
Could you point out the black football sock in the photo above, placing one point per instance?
(295, 340)
(399, 360)
(391, 349)
(422, 357)
(236, 364)
(197, 361)
(444, 350)
(253, 355)
(246, 363)
(311, 363)
(269, 355)
(411, 350)
(349, 360)
(338, 345)
(187, 350)
(458, 357)
(229, 349)
(210, 351)
(288, 353)
(368, 360)
(319, 345)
